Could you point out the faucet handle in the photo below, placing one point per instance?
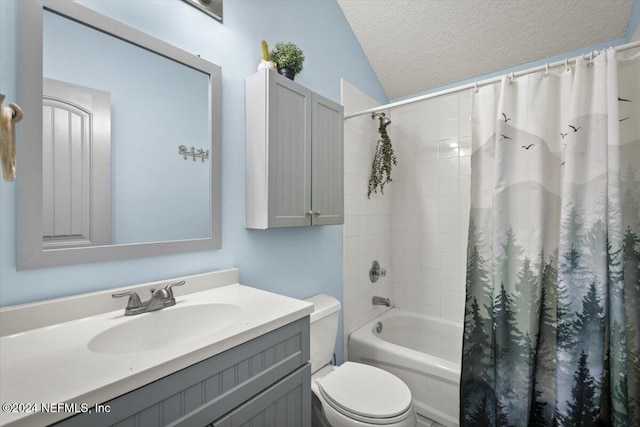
(171, 285)
(134, 298)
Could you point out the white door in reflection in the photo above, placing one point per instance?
(76, 165)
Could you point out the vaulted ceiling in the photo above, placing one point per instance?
(416, 45)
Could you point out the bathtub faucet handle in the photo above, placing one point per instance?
(375, 272)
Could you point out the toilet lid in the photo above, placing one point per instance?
(366, 391)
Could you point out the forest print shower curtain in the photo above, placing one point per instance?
(552, 320)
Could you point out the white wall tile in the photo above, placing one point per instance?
(450, 243)
(465, 166)
(427, 150)
(449, 167)
(430, 260)
(448, 149)
(417, 230)
(429, 132)
(465, 145)
(449, 205)
(449, 224)
(430, 112)
(430, 205)
(367, 228)
(465, 205)
(431, 223)
(430, 187)
(448, 110)
(448, 129)
(465, 185)
(449, 186)
(431, 241)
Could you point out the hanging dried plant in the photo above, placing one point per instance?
(382, 160)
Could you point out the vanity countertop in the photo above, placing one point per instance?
(53, 365)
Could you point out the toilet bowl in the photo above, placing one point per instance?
(353, 394)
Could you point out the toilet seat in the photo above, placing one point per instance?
(366, 394)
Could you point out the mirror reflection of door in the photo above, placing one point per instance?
(76, 165)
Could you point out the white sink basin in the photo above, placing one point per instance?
(164, 328)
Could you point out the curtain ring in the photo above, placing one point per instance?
(590, 63)
(546, 70)
(567, 68)
(510, 76)
(475, 88)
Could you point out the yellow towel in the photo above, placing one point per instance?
(8, 117)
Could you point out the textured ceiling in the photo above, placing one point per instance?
(416, 45)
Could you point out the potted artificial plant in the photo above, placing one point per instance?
(289, 58)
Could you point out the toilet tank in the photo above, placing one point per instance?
(324, 329)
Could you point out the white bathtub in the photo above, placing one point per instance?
(424, 351)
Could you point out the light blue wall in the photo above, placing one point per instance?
(295, 262)
(634, 21)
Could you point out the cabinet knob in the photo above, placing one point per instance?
(309, 213)
(317, 213)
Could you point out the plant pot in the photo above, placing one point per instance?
(287, 72)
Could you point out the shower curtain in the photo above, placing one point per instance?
(552, 319)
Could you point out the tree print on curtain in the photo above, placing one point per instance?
(552, 319)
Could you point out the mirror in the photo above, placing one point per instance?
(120, 157)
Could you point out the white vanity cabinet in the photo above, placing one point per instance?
(294, 155)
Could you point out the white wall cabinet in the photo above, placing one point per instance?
(294, 155)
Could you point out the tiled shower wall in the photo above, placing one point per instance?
(430, 205)
(367, 222)
(417, 230)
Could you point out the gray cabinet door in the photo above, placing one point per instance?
(285, 404)
(289, 133)
(294, 155)
(327, 153)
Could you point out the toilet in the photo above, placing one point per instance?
(352, 394)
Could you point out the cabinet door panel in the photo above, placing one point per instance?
(327, 191)
(285, 404)
(289, 153)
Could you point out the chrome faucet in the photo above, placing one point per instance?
(160, 299)
(381, 301)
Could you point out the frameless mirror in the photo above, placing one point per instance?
(120, 156)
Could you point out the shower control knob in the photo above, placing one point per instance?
(376, 272)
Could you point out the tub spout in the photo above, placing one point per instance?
(381, 301)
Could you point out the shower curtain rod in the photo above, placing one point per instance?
(484, 82)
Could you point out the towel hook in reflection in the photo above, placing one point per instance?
(199, 153)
